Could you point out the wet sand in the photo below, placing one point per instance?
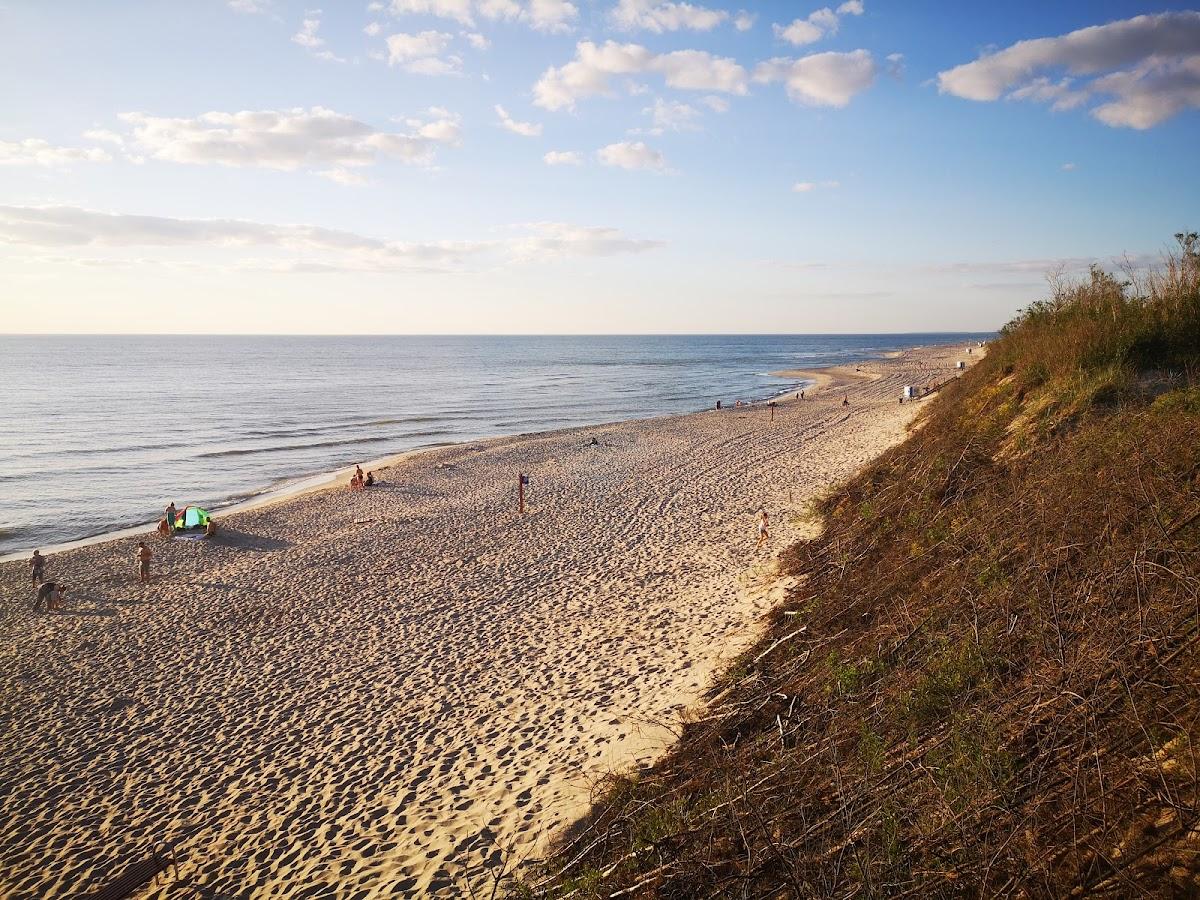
(398, 691)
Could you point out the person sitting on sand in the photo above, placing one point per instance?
(51, 593)
(143, 558)
(210, 529)
(370, 480)
(37, 563)
(763, 534)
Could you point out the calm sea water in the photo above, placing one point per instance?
(99, 433)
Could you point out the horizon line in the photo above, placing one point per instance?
(491, 333)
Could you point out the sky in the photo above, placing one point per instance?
(566, 166)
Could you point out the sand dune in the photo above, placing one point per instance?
(390, 692)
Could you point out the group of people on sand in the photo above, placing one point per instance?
(359, 481)
(800, 395)
(52, 593)
(170, 519)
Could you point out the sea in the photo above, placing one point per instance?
(99, 433)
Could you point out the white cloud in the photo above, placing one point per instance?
(550, 240)
(438, 125)
(589, 73)
(821, 79)
(553, 16)
(820, 23)
(744, 21)
(104, 136)
(421, 53)
(663, 15)
(307, 35)
(343, 177)
(799, 32)
(373, 29)
(287, 140)
(1058, 95)
(249, 6)
(324, 249)
(805, 187)
(668, 115)
(525, 129)
(716, 104)
(478, 41)
(37, 152)
(563, 158)
(308, 38)
(1068, 167)
(458, 10)
(631, 155)
(543, 15)
(1142, 70)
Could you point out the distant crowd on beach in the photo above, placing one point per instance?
(51, 593)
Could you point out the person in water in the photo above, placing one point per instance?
(37, 565)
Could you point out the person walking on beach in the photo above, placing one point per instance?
(171, 514)
(51, 593)
(37, 563)
(143, 559)
(763, 533)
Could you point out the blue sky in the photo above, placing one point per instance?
(267, 166)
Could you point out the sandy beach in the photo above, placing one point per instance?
(394, 692)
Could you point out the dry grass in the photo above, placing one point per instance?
(998, 688)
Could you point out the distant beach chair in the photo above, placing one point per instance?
(138, 874)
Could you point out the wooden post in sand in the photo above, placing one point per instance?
(521, 482)
(772, 410)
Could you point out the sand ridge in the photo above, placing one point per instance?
(393, 692)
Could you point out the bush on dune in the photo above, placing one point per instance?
(996, 690)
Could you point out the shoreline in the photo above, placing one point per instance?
(399, 690)
(819, 378)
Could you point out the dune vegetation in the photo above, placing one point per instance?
(987, 681)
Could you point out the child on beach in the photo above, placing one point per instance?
(51, 593)
(143, 558)
(763, 534)
(37, 563)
